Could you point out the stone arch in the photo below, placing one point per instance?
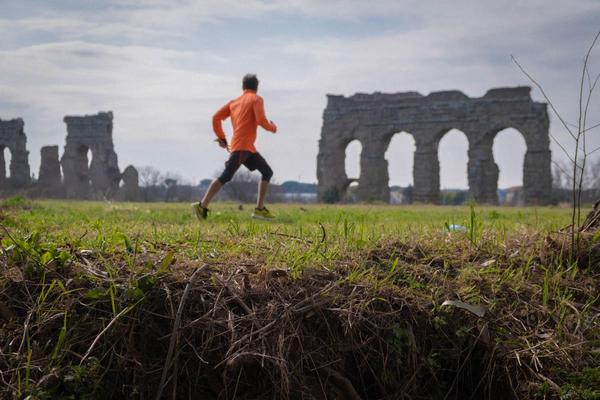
(331, 161)
(5, 161)
(352, 155)
(352, 168)
(452, 144)
(399, 154)
(100, 174)
(509, 150)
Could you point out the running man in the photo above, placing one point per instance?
(247, 112)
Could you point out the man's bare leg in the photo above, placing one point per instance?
(213, 189)
(262, 193)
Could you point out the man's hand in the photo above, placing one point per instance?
(274, 126)
(222, 143)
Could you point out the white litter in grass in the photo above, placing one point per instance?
(488, 263)
(477, 310)
(455, 228)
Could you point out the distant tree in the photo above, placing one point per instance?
(560, 176)
(174, 176)
(593, 174)
(149, 176)
(590, 178)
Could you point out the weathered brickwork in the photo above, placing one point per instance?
(101, 178)
(12, 136)
(374, 118)
(49, 176)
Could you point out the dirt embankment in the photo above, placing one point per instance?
(379, 327)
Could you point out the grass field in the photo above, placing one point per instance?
(361, 289)
(232, 232)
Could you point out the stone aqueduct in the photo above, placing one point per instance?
(374, 118)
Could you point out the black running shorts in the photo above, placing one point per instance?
(252, 161)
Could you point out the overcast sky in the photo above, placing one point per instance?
(165, 66)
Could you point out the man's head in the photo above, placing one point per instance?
(250, 82)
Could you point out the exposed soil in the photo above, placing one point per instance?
(182, 328)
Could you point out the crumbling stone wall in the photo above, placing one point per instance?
(374, 118)
(101, 178)
(49, 176)
(12, 136)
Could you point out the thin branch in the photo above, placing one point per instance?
(572, 124)
(587, 104)
(115, 319)
(591, 127)
(589, 79)
(583, 121)
(541, 89)
(593, 151)
(562, 170)
(559, 144)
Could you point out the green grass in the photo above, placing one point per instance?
(174, 222)
(509, 260)
(301, 236)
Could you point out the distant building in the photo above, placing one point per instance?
(514, 196)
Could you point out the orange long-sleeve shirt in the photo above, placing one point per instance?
(247, 112)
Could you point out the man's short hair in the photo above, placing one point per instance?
(250, 81)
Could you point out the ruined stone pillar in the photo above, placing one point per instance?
(75, 170)
(20, 174)
(130, 191)
(426, 172)
(49, 176)
(331, 171)
(374, 180)
(537, 177)
(94, 133)
(12, 136)
(482, 172)
(537, 169)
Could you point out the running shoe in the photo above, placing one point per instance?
(200, 212)
(262, 213)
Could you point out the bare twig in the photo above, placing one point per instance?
(557, 165)
(541, 89)
(115, 319)
(580, 140)
(324, 237)
(593, 151)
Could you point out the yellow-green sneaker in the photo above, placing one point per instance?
(200, 212)
(262, 213)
